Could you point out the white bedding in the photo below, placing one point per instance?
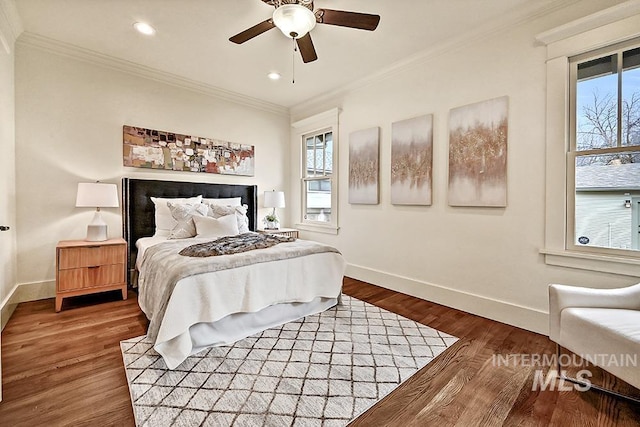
(145, 243)
(224, 306)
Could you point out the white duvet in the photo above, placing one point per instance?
(221, 307)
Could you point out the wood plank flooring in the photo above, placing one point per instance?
(65, 368)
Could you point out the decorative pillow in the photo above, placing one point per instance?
(229, 201)
(183, 213)
(164, 220)
(239, 211)
(216, 227)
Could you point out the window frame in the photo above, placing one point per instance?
(315, 178)
(573, 153)
(323, 122)
(620, 23)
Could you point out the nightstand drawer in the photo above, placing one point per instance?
(89, 277)
(84, 267)
(90, 256)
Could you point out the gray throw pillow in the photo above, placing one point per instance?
(239, 211)
(183, 213)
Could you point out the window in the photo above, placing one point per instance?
(315, 142)
(604, 151)
(568, 45)
(317, 176)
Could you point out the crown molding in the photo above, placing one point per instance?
(505, 22)
(590, 22)
(36, 41)
(10, 24)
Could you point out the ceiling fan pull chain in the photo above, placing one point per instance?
(293, 61)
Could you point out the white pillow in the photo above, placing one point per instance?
(229, 201)
(183, 213)
(216, 227)
(239, 211)
(164, 220)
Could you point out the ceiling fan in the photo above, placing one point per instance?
(295, 18)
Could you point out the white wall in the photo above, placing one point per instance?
(7, 167)
(69, 118)
(482, 260)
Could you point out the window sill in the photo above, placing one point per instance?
(593, 262)
(318, 228)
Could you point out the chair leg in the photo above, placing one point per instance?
(589, 386)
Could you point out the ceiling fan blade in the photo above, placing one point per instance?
(307, 50)
(362, 21)
(252, 32)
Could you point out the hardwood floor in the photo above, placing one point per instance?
(66, 369)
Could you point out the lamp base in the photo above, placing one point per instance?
(96, 233)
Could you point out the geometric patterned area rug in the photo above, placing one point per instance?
(322, 370)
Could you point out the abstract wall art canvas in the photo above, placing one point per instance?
(412, 161)
(364, 146)
(478, 154)
(156, 149)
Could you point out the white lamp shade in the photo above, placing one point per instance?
(97, 195)
(274, 199)
(294, 20)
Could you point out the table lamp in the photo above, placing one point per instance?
(273, 199)
(97, 195)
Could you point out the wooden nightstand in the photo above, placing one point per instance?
(89, 267)
(291, 232)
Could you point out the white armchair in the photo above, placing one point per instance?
(600, 325)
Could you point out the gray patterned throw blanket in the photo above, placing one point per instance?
(163, 267)
(235, 244)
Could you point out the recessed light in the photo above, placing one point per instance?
(144, 28)
(274, 76)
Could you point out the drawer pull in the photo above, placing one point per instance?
(93, 266)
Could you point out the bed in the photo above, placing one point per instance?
(223, 298)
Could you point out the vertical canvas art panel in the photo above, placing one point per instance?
(478, 154)
(412, 161)
(364, 146)
(157, 149)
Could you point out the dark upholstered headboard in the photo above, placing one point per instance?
(138, 211)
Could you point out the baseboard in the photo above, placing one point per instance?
(512, 314)
(6, 311)
(24, 292)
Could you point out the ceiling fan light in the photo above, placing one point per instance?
(294, 20)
